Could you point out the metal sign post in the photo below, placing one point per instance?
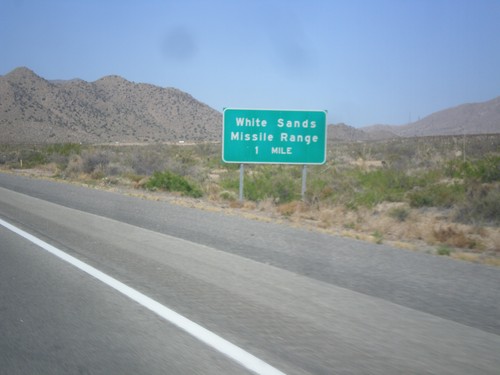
(304, 178)
(242, 173)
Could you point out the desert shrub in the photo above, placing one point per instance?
(228, 195)
(257, 187)
(278, 183)
(275, 182)
(8, 157)
(181, 160)
(230, 181)
(94, 160)
(336, 184)
(454, 237)
(443, 250)
(64, 149)
(117, 169)
(437, 195)
(60, 154)
(381, 185)
(286, 190)
(146, 160)
(74, 166)
(486, 169)
(169, 181)
(131, 176)
(482, 205)
(378, 237)
(319, 190)
(399, 213)
(356, 187)
(32, 158)
(288, 209)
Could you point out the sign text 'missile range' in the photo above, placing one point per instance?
(274, 136)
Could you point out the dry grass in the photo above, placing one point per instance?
(477, 258)
(452, 235)
(421, 230)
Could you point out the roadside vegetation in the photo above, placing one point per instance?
(439, 194)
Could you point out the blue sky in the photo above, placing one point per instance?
(366, 62)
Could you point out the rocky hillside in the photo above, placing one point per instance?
(111, 109)
(345, 133)
(471, 119)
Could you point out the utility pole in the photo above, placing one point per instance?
(463, 151)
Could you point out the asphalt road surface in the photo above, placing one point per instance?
(297, 301)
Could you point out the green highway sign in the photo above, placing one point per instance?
(274, 136)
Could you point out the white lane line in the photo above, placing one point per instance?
(232, 351)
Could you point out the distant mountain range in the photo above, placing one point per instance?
(112, 109)
(473, 118)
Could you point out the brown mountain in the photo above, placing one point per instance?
(111, 109)
(472, 118)
(345, 133)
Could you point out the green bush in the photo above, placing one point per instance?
(279, 183)
(276, 182)
(228, 195)
(443, 250)
(484, 170)
(32, 158)
(437, 195)
(230, 181)
(379, 237)
(64, 149)
(381, 185)
(319, 190)
(169, 181)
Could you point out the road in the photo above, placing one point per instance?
(301, 302)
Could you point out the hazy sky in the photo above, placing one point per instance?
(366, 62)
